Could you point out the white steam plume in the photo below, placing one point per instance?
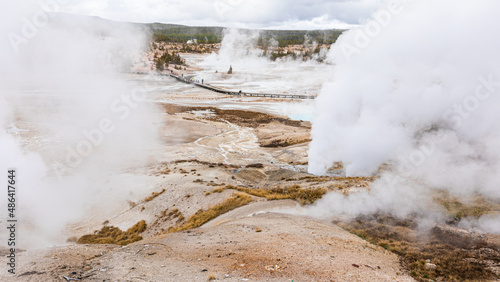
(418, 88)
(59, 79)
(254, 72)
(238, 48)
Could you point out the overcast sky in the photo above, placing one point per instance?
(275, 14)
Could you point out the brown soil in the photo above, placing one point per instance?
(444, 253)
(191, 188)
(239, 117)
(272, 131)
(263, 247)
(276, 134)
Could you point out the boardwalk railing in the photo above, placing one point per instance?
(188, 80)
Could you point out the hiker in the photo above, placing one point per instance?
(202, 81)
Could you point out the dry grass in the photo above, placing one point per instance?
(476, 207)
(154, 195)
(165, 216)
(175, 213)
(255, 165)
(304, 196)
(113, 235)
(318, 179)
(211, 277)
(163, 169)
(403, 238)
(212, 183)
(239, 117)
(346, 181)
(354, 178)
(249, 118)
(203, 216)
(219, 190)
(204, 163)
(276, 143)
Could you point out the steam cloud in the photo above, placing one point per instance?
(255, 72)
(59, 79)
(422, 96)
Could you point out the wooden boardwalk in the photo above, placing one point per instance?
(187, 79)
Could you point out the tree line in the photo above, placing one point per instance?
(211, 35)
(162, 62)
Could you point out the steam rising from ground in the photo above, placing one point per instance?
(59, 80)
(253, 71)
(239, 48)
(422, 96)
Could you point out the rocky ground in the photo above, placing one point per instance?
(208, 156)
(208, 149)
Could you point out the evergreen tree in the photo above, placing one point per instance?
(160, 65)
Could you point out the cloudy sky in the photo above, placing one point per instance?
(275, 14)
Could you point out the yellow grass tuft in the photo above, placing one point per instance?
(219, 190)
(113, 235)
(476, 207)
(154, 195)
(203, 216)
(304, 196)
